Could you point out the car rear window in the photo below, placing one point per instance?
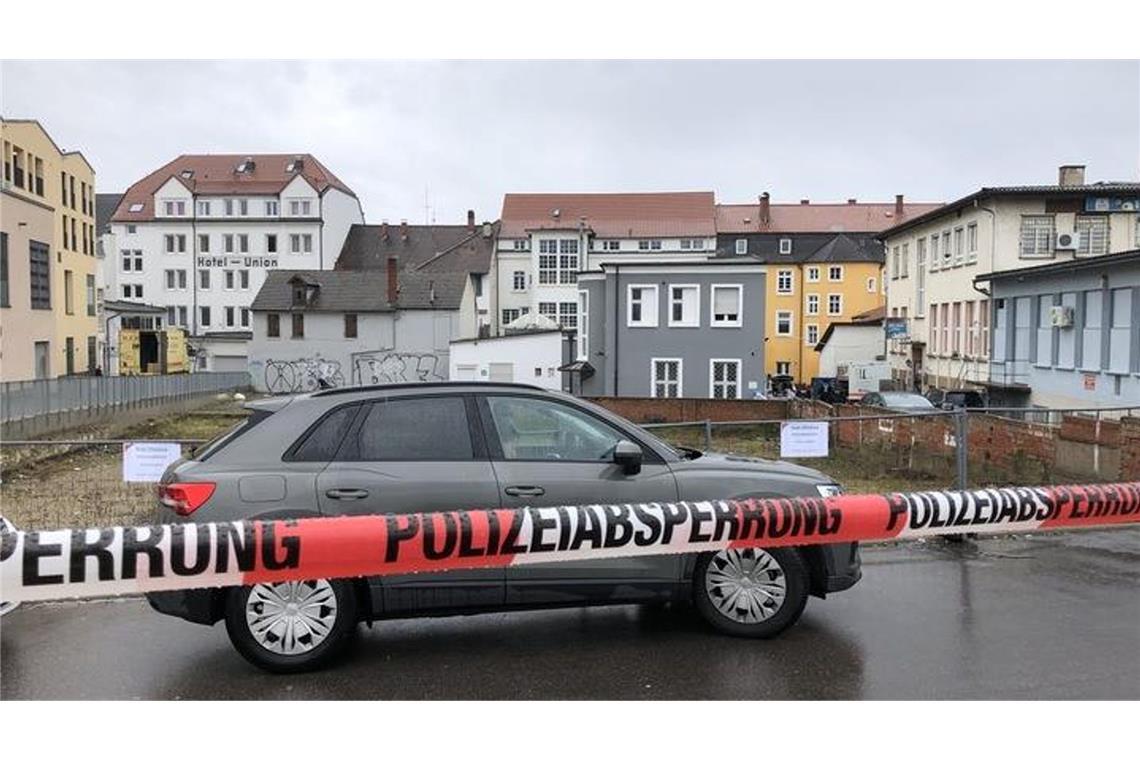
(321, 442)
(220, 441)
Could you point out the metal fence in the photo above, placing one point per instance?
(29, 399)
(877, 451)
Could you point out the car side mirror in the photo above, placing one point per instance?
(627, 455)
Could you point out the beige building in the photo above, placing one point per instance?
(47, 218)
(934, 259)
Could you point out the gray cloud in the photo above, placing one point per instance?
(470, 131)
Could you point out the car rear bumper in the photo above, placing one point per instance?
(844, 566)
(202, 605)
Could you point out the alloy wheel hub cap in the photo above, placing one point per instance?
(746, 585)
(291, 618)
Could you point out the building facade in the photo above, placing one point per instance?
(534, 357)
(671, 330)
(47, 245)
(316, 329)
(823, 265)
(546, 239)
(198, 236)
(934, 262)
(1066, 334)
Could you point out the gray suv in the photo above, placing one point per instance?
(432, 447)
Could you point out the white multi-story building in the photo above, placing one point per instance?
(546, 239)
(934, 260)
(198, 236)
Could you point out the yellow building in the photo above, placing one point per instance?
(49, 265)
(823, 266)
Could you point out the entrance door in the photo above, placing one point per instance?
(43, 359)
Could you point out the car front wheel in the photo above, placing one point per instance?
(292, 626)
(751, 592)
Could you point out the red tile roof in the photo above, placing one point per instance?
(215, 174)
(816, 217)
(611, 215)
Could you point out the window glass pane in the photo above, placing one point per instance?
(322, 443)
(421, 429)
(537, 429)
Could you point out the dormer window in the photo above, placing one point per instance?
(295, 166)
(187, 174)
(299, 294)
(785, 245)
(246, 166)
(135, 208)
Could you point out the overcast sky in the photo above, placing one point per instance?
(468, 132)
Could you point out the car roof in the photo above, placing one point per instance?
(456, 385)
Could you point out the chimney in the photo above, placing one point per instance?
(804, 201)
(1071, 175)
(852, 201)
(898, 205)
(404, 230)
(384, 230)
(765, 209)
(393, 279)
(470, 220)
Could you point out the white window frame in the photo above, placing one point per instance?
(972, 243)
(791, 289)
(808, 327)
(653, 362)
(959, 257)
(872, 284)
(785, 246)
(739, 322)
(742, 246)
(787, 366)
(811, 304)
(832, 267)
(813, 274)
(839, 312)
(203, 208)
(583, 325)
(651, 321)
(271, 208)
(791, 323)
(695, 320)
(611, 245)
(713, 383)
(515, 278)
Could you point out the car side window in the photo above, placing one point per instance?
(536, 429)
(322, 441)
(415, 430)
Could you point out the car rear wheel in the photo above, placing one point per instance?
(292, 626)
(751, 592)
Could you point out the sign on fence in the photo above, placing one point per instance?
(803, 439)
(144, 462)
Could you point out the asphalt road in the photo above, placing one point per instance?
(1045, 616)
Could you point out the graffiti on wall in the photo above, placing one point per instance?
(382, 367)
(302, 375)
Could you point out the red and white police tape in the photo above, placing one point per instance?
(65, 564)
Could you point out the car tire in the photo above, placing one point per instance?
(756, 593)
(293, 626)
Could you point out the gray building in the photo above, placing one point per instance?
(315, 329)
(1066, 334)
(671, 330)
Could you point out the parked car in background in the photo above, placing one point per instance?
(956, 399)
(446, 446)
(899, 401)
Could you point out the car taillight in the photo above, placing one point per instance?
(184, 498)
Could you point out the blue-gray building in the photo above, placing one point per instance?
(1066, 334)
(667, 330)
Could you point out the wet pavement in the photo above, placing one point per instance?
(1043, 616)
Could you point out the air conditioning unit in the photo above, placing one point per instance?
(1067, 241)
(1061, 316)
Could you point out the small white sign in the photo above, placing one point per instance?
(144, 462)
(803, 439)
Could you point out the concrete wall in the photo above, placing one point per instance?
(532, 359)
(21, 326)
(407, 346)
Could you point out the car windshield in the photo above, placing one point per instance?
(906, 401)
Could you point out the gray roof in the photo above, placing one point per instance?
(1052, 191)
(105, 205)
(132, 307)
(430, 247)
(355, 291)
(848, 248)
(834, 247)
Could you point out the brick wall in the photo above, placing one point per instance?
(1130, 448)
(692, 409)
(1084, 430)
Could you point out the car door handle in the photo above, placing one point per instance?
(346, 493)
(524, 491)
